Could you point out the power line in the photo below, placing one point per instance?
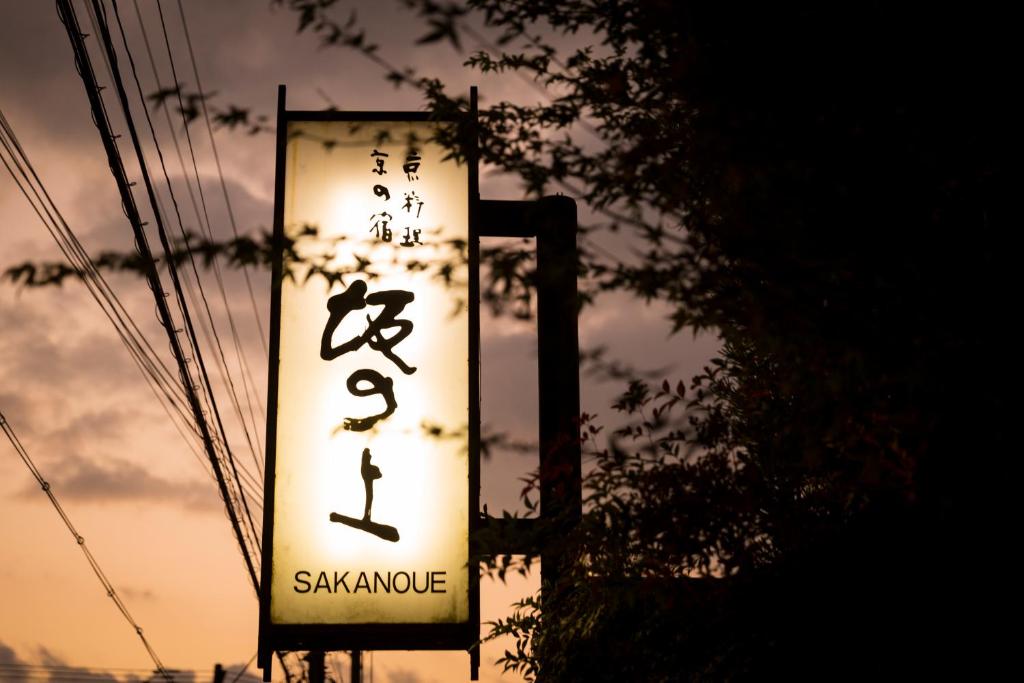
(70, 20)
(220, 174)
(206, 227)
(154, 372)
(247, 381)
(61, 672)
(241, 672)
(191, 391)
(169, 253)
(195, 270)
(80, 540)
(230, 457)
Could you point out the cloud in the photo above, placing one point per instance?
(92, 425)
(136, 594)
(232, 672)
(116, 481)
(13, 405)
(404, 676)
(60, 670)
(11, 666)
(177, 675)
(55, 339)
(53, 667)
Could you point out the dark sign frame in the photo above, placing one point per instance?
(408, 636)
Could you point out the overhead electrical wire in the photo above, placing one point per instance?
(238, 493)
(80, 540)
(69, 18)
(246, 375)
(190, 395)
(168, 394)
(248, 384)
(191, 258)
(220, 174)
(216, 269)
(243, 536)
(202, 395)
(172, 397)
(241, 672)
(171, 381)
(255, 449)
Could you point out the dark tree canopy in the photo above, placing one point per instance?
(827, 188)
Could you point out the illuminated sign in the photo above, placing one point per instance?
(371, 484)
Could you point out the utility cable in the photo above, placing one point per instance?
(240, 356)
(107, 44)
(220, 357)
(188, 138)
(80, 540)
(70, 20)
(155, 374)
(220, 174)
(232, 462)
(248, 383)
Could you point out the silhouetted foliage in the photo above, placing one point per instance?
(826, 188)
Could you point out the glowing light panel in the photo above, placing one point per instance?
(370, 517)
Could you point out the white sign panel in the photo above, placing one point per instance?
(370, 460)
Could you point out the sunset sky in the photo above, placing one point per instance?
(147, 509)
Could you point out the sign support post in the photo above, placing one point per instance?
(552, 221)
(558, 375)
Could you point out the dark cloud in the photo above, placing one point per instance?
(93, 425)
(11, 666)
(232, 672)
(136, 594)
(60, 670)
(56, 668)
(46, 342)
(404, 676)
(13, 405)
(116, 480)
(178, 676)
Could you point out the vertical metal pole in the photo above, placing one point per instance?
(357, 666)
(473, 162)
(558, 377)
(265, 650)
(316, 666)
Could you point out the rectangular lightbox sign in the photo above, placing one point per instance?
(369, 477)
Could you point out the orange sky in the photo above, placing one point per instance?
(147, 509)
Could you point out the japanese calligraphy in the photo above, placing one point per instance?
(379, 384)
(411, 197)
(379, 222)
(370, 473)
(384, 331)
(380, 162)
(355, 298)
(410, 240)
(380, 227)
(411, 165)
